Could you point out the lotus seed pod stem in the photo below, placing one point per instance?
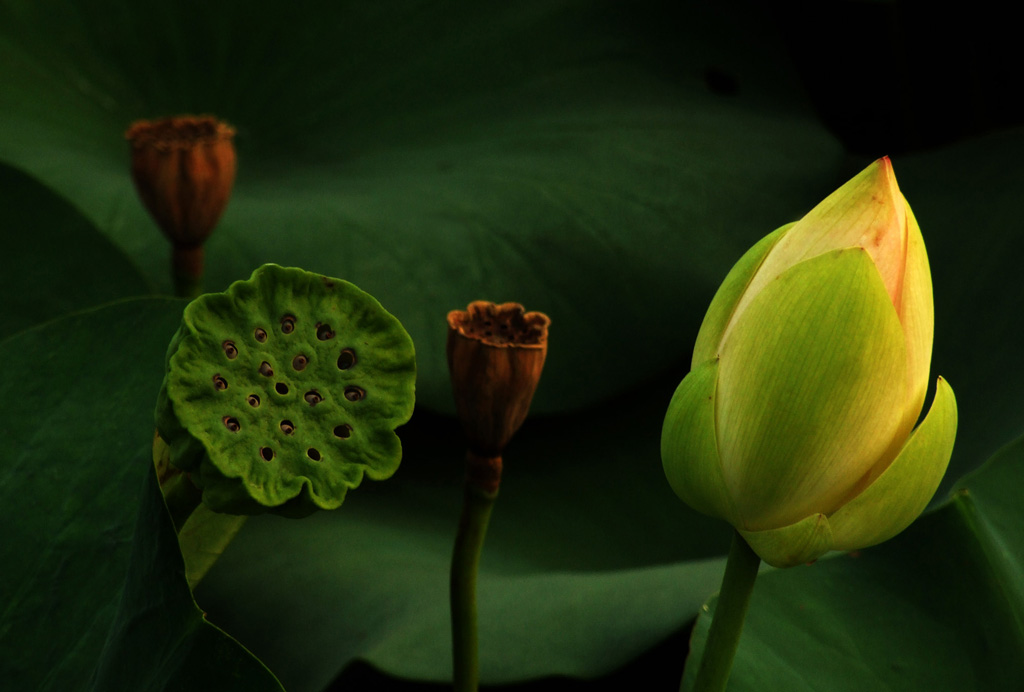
(181, 496)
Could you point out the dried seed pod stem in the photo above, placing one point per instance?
(187, 270)
(182, 498)
(469, 543)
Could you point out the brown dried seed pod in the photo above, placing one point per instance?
(496, 353)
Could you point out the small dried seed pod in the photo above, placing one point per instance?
(219, 382)
(230, 350)
(184, 169)
(231, 424)
(260, 334)
(253, 400)
(495, 370)
(324, 332)
(353, 393)
(299, 362)
(287, 427)
(313, 397)
(287, 324)
(266, 370)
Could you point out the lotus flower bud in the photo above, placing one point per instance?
(796, 421)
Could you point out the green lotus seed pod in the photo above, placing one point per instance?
(283, 391)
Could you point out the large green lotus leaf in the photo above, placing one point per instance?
(592, 160)
(940, 607)
(589, 561)
(159, 639)
(76, 420)
(54, 259)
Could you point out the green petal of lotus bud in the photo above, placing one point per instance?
(796, 422)
(282, 392)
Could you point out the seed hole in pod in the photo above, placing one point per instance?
(353, 393)
(281, 388)
(219, 382)
(230, 350)
(313, 397)
(313, 454)
(267, 453)
(231, 423)
(287, 324)
(324, 331)
(343, 431)
(260, 334)
(253, 400)
(347, 359)
(299, 362)
(266, 370)
(287, 427)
